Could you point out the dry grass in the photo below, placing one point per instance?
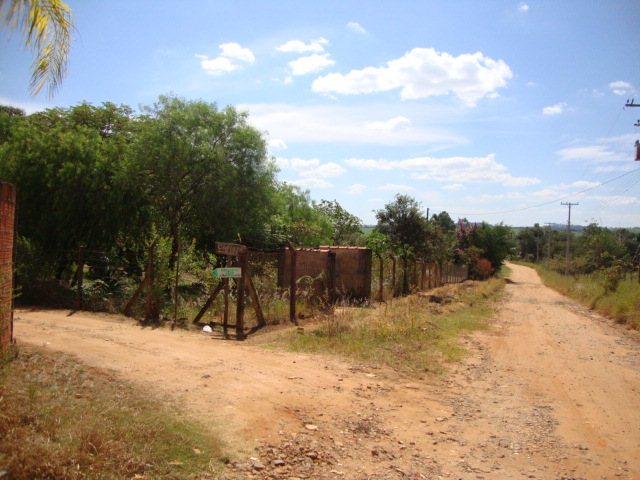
(62, 420)
(622, 305)
(415, 334)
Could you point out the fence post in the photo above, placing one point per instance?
(151, 309)
(292, 285)
(7, 261)
(240, 285)
(80, 276)
(381, 278)
(393, 276)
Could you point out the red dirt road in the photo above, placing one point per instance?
(551, 392)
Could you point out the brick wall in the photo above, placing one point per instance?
(7, 212)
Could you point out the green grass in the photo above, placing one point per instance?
(622, 305)
(412, 335)
(60, 419)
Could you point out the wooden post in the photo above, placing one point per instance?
(151, 310)
(393, 276)
(143, 284)
(381, 279)
(255, 300)
(292, 286)
(80, 276)
(225, 319)
(423, 274)
(331, 277)
(240, 283)
(175, 289)
(208, 303)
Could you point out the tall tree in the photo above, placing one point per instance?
(204, 171)
(71, 177)
(346, 226)
(296, 218)
(46, 26)
(444, 221)
(403, 222)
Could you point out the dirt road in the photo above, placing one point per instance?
(551, 392)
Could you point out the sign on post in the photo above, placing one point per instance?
(231, 249)
(227, 272)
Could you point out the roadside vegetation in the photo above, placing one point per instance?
(602, 270)
(416, 334)
(596, 291)
(61, 419)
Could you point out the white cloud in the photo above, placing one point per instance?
(454, 187)
(523, 7)
(598, 153)
(216, 66)
(356, 27)
(391, 125)
(618, 149)
(312, 167)
(311, 183)
(277, 144)
(422, 73)
(281, 163)
(310, 64)
(622, 88)
(298, 46)
(335, 123)
(356, 189)
(235, 51)
(626, 167)
(231, 58)
(556, 109)
(452, 169)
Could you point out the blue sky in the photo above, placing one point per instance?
(492, 110)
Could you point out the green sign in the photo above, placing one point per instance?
(227, 272)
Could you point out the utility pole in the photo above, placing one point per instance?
(549, 240)
(566, 266)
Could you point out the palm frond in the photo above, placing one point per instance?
(46, 26)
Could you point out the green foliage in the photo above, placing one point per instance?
(378, 243)
(404, 223)
(347, 228)
(611, 292)
(204, 171)
(70, 169)
(444, 221)
(297, 219)
(475, 242)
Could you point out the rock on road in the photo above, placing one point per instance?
(552, 391)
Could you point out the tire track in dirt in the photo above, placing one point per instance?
(552, 391)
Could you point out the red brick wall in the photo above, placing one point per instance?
(353, 269)
(7, 212)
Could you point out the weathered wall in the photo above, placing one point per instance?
(7, 215)
(352, 270)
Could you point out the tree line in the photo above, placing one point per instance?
(593, 249)
(108, 179)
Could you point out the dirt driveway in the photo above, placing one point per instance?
(551, 392)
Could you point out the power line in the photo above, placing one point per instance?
(522, 209)
(566, 261)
